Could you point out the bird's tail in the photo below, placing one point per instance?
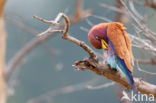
(119, 64)
(131, 81)
(128, 74)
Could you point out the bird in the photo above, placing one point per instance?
(112, 38)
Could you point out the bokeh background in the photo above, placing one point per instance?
(49, 66)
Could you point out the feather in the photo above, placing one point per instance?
(122, 44)
(116, 62)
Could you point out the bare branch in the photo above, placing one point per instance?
(138, 67)
(80, 14)
(106, 71)
(102, 18)
(121, 16)
(151, 61)
(43, 20)
(67, 36)
(111, 8)
(89, 22)
(131, 4)
(151, 35)
(76, 41)
(101, 86)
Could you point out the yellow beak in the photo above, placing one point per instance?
(104, 44)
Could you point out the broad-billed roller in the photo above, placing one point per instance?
(112, 37)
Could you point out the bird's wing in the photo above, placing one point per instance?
(121, 42)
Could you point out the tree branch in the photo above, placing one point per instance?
(109, 73)
(151, 61)
(144, 71)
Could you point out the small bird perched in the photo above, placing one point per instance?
(113, 38)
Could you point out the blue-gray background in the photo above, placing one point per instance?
(40, 73)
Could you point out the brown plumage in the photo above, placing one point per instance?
(122, 43)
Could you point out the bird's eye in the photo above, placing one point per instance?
(97, 38)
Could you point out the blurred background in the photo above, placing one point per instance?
(48, 67)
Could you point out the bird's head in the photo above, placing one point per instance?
(98, 36)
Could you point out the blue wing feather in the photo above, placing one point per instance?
(116, 62)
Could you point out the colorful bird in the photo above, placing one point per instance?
(113, 38)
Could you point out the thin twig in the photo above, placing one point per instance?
(151, 61)
(89, 22)
(138, 67)
(131, 4)
(111, 8)
(43, 20)
(102, 18)
(80, 14)
(100, 86)
(76, 41)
